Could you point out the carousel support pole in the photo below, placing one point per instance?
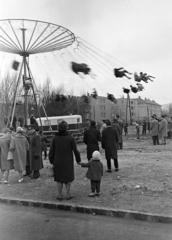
(130, 109)
(15, 98)
(46, 116)
(25, 77)
(34, 94)
(127, 108)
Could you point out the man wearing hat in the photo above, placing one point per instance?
(110, 144)
(92, 139)
(154, 128)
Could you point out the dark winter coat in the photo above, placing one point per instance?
(44, 140)
(95, 169)
(110, 142)
(61, 156)
(35, 153)
(91, 139)
(154, 127)
(116, 126)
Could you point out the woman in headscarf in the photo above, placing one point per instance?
(61, 156)
(5, 164)
(19, 145)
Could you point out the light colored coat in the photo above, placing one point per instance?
(19, 145)
(154, 127)
(163, 126)
(4, 147)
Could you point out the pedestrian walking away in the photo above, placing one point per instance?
(91, 139)
(154, 128)
(94, 173)
(44, 141)
(120, 137)
(163, 128)
(137, 131)
(110, 144)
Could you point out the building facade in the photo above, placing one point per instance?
(130, 110)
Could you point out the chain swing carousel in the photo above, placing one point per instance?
(94, 68)
(25, 38)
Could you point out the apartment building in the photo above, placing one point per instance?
(101, 108)
(137, 109)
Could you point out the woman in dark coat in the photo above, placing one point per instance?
(61, 156)
(35, 153)
(91, 139)
(110, 144)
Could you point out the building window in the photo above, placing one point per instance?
(131, 102)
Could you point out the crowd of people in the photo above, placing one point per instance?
(23, 150)
(63, 145)
(159, 128)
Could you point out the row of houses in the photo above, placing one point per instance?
(130, 110)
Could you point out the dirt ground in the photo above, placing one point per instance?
(143, 183)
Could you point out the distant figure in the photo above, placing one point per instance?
(148, 125)
(110, 144)
(137, 131)
(163, 126)
(98, 126)
(91, 139)
(144, 127)
(94, 173)
(126, 128)
(34, 122)
(44, 141)
(116, 126)
(154, 128)
(121, 72)
(120, 138)
(103, 126)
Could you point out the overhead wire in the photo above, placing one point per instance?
(108, 55)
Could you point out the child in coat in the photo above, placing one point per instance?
(94, 173)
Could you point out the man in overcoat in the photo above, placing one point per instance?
(35, 153)
(154, 128)
(116, 126)
(121, 124)
(163, 128)
(91, 139)
(110, 144)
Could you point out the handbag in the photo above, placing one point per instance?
(10, 155)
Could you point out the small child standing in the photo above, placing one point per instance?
(94, 173)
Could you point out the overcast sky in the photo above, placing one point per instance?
(137, 32)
